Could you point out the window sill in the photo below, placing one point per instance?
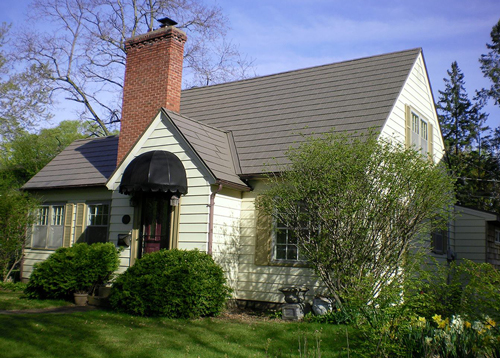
(285, 263)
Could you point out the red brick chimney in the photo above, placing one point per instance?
(153, 78)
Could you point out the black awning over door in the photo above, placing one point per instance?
(156, 171)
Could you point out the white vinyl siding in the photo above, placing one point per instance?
(262, 282)
(226, 238)
(194, 206)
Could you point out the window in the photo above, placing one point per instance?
(285, 243)
(97, 224)
(419, 133)
(49, 227)
(439, 241)
(497, 236)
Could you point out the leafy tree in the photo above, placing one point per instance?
(28, 153)
(490, 64)
(356, 206)
(24, 95)
(16, 214)
(84, 52)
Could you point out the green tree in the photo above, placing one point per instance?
(490, 64)
(356, 205)
(16, 215)
(468, 144)
(27, 153)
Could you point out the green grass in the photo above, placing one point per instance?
(100, 333)
(13, 301)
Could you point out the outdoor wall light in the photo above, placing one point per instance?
(174, 200)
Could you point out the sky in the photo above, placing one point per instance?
(283, 35)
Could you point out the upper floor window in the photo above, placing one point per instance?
(48, 228)
(419, 133)
(97, 223)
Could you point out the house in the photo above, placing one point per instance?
(473, 235)
(188, 165)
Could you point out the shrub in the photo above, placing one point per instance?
(12, 286)
(171, 283)
(468, 289)
(80, 268)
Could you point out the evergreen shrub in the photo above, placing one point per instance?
(173, 284)
(80, 268)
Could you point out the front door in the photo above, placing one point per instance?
(155, 223)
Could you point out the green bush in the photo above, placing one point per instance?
(171, 283)
(80, 268)
(468, 289)
(12, 286)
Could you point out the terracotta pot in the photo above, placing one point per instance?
(81, 299)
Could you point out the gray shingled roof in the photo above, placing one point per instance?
(256, 120)
(267, 114)
(85, 162)
(211, 144)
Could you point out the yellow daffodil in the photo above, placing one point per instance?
(468, 324)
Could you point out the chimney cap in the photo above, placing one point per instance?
(166, 22)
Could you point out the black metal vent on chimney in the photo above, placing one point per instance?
(166, 22)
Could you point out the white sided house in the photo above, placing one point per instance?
(186, 169)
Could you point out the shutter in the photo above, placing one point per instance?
(80, 222)
(430, 141)
(68, 225)
(407, 126)
(263, 238)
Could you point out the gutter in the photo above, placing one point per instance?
(211, 209)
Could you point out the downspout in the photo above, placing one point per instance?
(211, 219)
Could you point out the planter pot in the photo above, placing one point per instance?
(81, 299)
(294, 294)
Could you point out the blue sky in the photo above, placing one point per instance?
(286, 35)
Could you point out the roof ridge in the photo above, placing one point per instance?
(168, 111)
(419, 49)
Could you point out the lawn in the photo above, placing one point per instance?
(15, 301)
(102, 333)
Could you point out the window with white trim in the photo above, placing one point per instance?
(497, 236)
(419, 132)
(285, 243)
(49, 227)
(97, 223)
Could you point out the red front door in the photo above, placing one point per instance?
(155, 223)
